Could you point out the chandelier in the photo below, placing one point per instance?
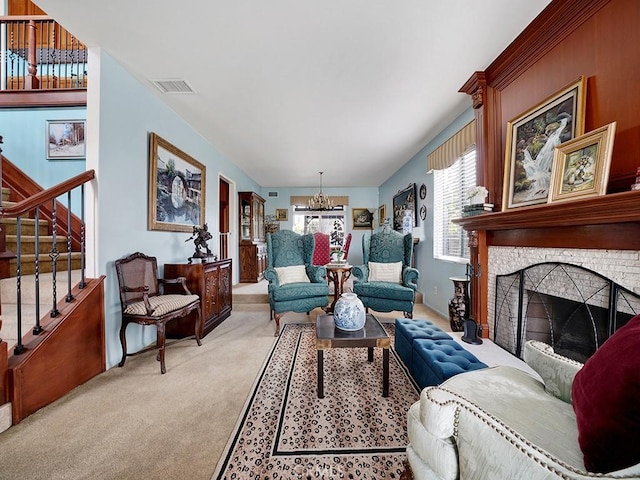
(320, 201)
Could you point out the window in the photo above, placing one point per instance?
(450, 187)
(330, 222)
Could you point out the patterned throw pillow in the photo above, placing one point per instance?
(606, 395)
(292, 274)
(385, 272)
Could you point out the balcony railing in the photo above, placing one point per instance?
(38, 54)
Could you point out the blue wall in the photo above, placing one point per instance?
(25, 145)
(434, 280)
(128, 112)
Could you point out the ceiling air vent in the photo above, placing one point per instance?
(173, 86)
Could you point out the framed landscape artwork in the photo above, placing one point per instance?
(404, 200)
(382, 214)
(362, 218)
(282, 214)
(65, 139)
(531, 140)
(581, 165)
(176, 188)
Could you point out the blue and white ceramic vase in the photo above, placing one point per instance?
(349, 314)
(407, 222)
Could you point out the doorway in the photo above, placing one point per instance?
(224, 220)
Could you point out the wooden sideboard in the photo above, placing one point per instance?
(212, 282)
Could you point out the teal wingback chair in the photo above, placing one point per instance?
(389, 294)
(302, 294)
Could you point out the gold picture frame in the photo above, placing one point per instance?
(382, 214)
(362, 218)
(177, 188)
(531, 139)
(581, 166)
(282, 214)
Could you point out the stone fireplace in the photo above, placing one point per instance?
(566, 295)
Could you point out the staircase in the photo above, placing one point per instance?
(68, 347)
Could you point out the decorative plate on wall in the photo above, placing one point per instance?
(423, 191)
(423, 212)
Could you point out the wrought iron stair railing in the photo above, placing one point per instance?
(38, 54)
(32, 207)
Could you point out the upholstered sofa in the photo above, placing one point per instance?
(502, 423)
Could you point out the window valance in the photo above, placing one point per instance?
(446, 154)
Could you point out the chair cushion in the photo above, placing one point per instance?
(161, 304)
(322, 249)
(297, 291)
(387, 290)
(606, 395)
(292, 274)
(385, 272)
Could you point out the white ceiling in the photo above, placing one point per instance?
(285, 88)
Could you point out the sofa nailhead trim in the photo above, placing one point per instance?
(461, 404)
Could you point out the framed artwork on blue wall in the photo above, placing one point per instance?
(176, 188)
(404, 200)
(65, 139)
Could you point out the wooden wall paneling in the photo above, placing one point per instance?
(599, 39)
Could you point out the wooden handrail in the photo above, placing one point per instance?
(49, 194)
(25, 18)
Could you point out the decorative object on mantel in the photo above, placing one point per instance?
(320, 201)
(477, 205)
(476, 209)
(581, 165)
(200, 237)
(477, 195)
(531, 138)
(635, 186)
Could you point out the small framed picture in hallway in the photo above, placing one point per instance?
(65, 139)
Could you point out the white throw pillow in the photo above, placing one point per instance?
(385, 272)
(292, 274)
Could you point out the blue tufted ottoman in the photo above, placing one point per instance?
(407, 330)
(434, 361)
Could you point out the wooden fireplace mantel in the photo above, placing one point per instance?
(604, 222)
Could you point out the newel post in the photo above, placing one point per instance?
(32, 82)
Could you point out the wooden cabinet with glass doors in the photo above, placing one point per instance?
(253, 247)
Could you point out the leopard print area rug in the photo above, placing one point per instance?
(286, 431)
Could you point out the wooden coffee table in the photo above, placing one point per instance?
(371, 335)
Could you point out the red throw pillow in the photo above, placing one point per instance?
(606, 399)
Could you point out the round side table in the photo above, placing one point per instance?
(338, 274)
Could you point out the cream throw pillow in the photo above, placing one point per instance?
(385, 272)
(292, 274)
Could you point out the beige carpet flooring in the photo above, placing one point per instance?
(134, 423)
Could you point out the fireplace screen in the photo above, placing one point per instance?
(569, 307)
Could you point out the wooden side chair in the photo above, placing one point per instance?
(143, 301)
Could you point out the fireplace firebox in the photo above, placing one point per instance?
(567, 306)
